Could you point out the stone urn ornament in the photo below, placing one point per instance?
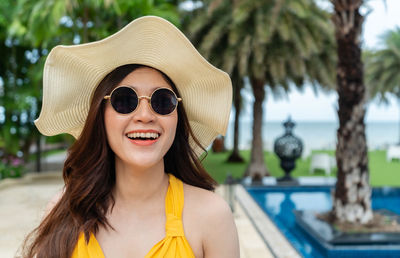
(288, 148)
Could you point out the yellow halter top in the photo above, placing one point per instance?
(174, 244)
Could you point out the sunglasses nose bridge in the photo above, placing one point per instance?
(143, 111)
(144, 97)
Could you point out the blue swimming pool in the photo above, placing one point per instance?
(279, 203)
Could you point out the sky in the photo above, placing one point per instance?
(306, 106)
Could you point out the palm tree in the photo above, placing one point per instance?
(382, 68)
(352, 197)
(198, 23)
(275, 43)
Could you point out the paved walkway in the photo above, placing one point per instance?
(23, 201)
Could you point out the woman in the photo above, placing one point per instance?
(142, 104)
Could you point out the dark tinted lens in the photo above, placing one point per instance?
(163, 101)
(124, 100)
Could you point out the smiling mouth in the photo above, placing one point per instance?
(143, 136)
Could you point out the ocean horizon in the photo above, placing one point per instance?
(315, 135)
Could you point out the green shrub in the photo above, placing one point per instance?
(11, 166)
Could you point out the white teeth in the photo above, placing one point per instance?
(143, 135)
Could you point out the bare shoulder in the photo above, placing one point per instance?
(214, 220)
(206, 202)
(53, 201)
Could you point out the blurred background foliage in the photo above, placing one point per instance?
(28, 31)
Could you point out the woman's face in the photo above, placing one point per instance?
(138, 152)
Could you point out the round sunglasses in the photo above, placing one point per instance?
(125, 100)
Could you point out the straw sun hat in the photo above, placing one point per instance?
(71, 74)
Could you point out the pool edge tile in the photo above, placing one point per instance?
(273, 238)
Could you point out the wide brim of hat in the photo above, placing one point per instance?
(72, 73)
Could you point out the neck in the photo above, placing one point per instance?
(137, 185)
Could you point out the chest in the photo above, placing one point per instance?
(137, 235)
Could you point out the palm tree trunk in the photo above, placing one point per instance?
(235, 156)
(257, 168)
(352, 196)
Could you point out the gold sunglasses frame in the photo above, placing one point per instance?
(108, 97)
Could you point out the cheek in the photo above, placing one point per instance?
(172, 123)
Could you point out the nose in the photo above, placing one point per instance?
(143, 112)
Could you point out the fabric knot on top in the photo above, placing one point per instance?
(173, 226)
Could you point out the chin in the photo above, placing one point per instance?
(144, 161)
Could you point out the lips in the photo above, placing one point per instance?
(143, 137)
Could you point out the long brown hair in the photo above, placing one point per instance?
(89, 176)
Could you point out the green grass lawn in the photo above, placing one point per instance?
(382, 173)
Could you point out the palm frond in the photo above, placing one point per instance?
(382, 67)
